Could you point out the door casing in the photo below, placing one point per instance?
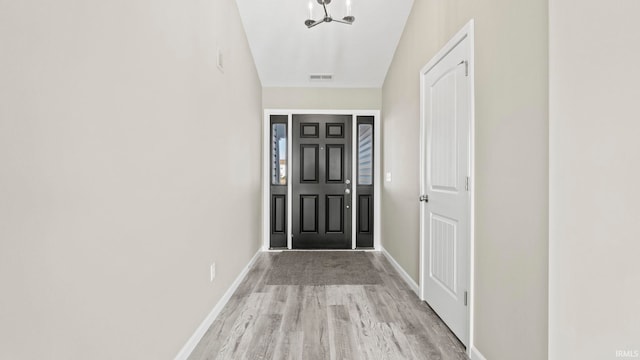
(266, 171)
(467, 32)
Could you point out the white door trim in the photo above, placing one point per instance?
(266, 181)
(467, 32)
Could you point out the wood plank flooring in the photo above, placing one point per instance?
(342, 322)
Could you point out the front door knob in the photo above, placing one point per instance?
(347, 191)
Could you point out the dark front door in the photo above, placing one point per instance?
(321, 181)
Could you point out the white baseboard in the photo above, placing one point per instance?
(475, 354)
(412, 284)
(202, 329)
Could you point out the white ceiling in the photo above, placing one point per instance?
(357, 55)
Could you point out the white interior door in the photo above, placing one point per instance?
(446, 169)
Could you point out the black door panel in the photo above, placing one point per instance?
(278, 181)
(365, 179)
(321, 181)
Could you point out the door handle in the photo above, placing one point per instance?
(347, 191)
(424, 198)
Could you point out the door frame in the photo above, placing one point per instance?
(467, 32)
(266, 230)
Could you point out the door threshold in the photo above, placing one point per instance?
(317, 250)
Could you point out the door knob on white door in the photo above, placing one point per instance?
(424, 198)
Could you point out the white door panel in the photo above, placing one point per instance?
(445, 217)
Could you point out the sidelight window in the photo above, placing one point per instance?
(365, 154)
(278, 154)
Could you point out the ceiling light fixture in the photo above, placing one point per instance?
(348, 19)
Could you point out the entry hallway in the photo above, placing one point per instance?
(326, 305)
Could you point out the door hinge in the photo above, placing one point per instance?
(466, 298)
(468, 181)
(466, 67)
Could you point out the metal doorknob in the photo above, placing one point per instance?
(347, 191)
(348, 206)
(424, 198)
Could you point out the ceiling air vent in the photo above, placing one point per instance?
(321, 77)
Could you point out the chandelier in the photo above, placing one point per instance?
(348, 19)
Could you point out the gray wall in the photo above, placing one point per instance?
(511, 260)
(322, 98)
(129, 164)
(595, 199)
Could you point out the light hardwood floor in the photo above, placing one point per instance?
(309, 322)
